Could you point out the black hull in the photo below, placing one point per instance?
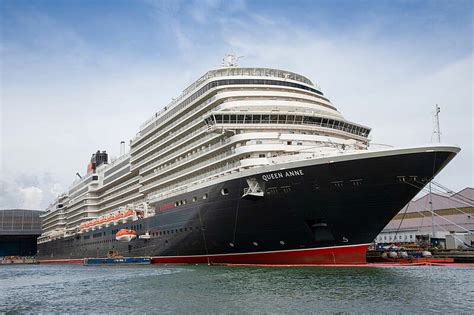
(340, 204)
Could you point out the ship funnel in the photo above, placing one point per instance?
(122, 148)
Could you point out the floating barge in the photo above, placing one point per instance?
(117, 261)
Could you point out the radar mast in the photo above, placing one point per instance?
(231, 60)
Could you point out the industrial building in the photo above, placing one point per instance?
(19, 230)
(452, 216)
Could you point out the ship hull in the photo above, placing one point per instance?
(316, 212)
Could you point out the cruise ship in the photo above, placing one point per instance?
(247, 166)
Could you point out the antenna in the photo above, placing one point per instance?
(437, 130)
(438, 133)
(79, 175)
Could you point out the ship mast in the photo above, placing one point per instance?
(438, 133)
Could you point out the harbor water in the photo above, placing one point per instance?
(218, 289)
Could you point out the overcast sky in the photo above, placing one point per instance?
(78, 76)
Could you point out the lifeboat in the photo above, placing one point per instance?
(125, 235)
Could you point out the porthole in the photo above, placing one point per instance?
(224, 191)
(282, 242)
(255, 244)
(231, 244)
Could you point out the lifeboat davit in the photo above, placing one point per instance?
(125, 235)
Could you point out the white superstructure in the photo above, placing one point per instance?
(230, 120)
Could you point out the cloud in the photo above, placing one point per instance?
(31, 197)
(28, 190)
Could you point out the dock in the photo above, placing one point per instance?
(117, 261)
(18, 260)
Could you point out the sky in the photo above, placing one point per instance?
(78, 76)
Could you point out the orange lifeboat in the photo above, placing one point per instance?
(125, 235)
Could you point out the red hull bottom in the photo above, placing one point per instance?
(62, 261)
(342, 255)
(354, 254)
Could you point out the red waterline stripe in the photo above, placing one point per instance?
(62, 261)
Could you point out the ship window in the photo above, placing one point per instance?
(205, 196)
(286, 189)
(256, 119)
(194, 199)
(224, 191)
(190, 228)
(288, 142)
(261, 155)
(176, 230)
(259, 142)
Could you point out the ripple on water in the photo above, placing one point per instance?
(218, 289)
